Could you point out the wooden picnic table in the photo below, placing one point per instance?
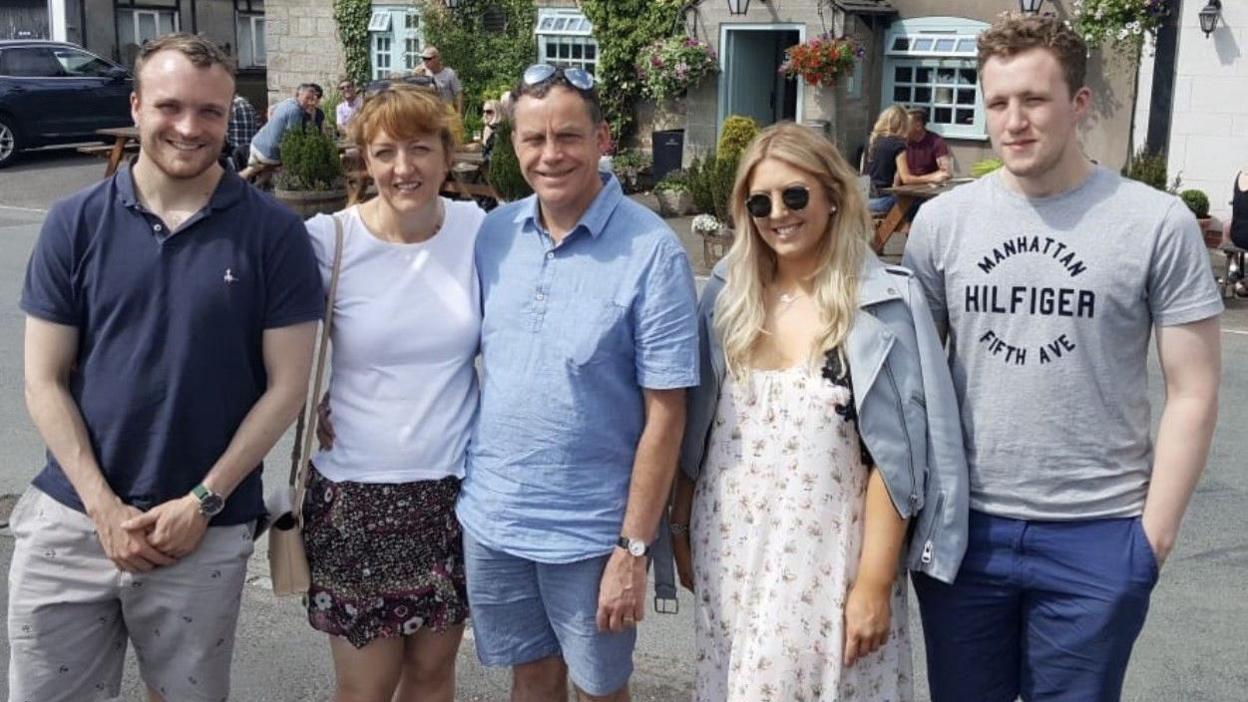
(122, 136)
(907, 196)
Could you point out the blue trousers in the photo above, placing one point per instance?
(1047, 611)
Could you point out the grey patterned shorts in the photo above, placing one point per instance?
(71, 611)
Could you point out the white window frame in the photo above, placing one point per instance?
(135, 13)
(397, 21)
(380, 71)
(934, 46)
(566, 27)
(258, 57)
(380, 21)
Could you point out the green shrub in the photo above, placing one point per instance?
(1197, 201)
(676, 181)
(1148, 168)
(309, 161)
(985, 166)
(723, 174)
(737, 133)
(700, 184)
(505, 174)
(629, 165)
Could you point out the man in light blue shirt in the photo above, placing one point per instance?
(286, 115)
(588, 340)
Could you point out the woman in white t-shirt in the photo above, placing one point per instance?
(383, 542)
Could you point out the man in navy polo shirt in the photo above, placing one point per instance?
(171, 311)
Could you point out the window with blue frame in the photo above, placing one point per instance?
(396, 39)
(565, 37)
(930, 62)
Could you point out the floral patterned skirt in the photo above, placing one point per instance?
(386, 558)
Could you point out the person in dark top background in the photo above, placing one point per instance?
(927, 155)
(1237, 228)
(885, 155)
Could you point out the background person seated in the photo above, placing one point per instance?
(927, 156)
(286, 115)
(886, 155)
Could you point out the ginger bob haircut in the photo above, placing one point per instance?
(402, 112)
(1015, 34)
(740, 308)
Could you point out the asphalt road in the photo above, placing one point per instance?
(1193, 649)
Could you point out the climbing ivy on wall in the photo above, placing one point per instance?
(623, 28)
(488, 43)
(352, 17)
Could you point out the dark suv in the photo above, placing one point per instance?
(57, 93)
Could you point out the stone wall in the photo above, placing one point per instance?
(302, 42)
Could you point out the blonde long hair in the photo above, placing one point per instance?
(740, 309)
(893, 121)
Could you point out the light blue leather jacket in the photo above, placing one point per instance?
(907, 415)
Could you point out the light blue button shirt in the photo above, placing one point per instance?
(571, 335)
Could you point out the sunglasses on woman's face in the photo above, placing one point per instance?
(794, 197)
(540, 73)
(487, 112)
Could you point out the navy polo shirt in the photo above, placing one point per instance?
(170, 356)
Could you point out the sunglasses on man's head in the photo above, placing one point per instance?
(380, 86)
(540, 73)
(794, 197)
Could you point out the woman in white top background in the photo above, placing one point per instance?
(383, 542)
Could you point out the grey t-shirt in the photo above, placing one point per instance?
(447, 83)
(1049, 305)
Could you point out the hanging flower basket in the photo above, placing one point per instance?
(669, 67)
(822, 61)
(1122, 23)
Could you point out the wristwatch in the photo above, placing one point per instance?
(210, 503)
(635, 547)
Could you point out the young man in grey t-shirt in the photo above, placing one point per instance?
(1049, 277)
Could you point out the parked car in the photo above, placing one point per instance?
(57, 93)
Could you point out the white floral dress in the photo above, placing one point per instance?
(777, 531)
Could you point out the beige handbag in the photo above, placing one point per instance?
(288, 562)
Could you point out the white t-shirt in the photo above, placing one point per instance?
(407, 323)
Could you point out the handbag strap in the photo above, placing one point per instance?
(305, 428)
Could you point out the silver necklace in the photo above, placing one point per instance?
(788, 298)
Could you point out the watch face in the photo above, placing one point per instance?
(637, 547)
(211, 504)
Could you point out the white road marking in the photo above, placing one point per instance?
(33, 210)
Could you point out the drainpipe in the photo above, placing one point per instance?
(194, 19)
(1161, 102)
(56, 21)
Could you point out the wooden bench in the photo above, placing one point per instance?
(106, 150)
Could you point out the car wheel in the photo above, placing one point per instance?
(10, 141)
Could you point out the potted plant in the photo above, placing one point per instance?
(668, 67)
(505, 175)
(310, 180)
(1121, 23)
(823, 60)
(1198, 202)
(716, 237)
(632, 167)
(674, 196)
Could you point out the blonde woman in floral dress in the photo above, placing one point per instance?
(798, 517)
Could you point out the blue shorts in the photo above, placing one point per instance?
(523, 611)
(1045, 610)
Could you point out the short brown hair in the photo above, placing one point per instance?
(540, 90)
(403, 112)
(202, 53)
(1015, 34)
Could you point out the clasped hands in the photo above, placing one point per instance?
(138, 542)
